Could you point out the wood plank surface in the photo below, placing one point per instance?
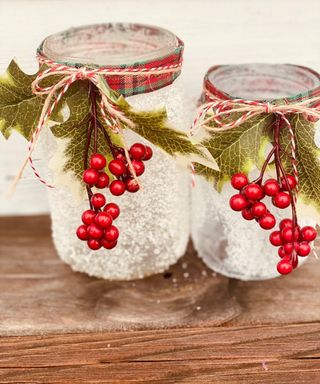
(187, 325)
(258, 354)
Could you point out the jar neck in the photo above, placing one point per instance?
(134, 47)
(276, 83)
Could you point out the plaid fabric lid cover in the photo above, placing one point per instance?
(127, 84)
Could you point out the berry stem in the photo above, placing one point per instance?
(265, 164)
(107, 138)
(284, 174)
(85, 158)
(93, 100)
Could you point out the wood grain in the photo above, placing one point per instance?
(39, 293)
(261, 354)
(58, 326)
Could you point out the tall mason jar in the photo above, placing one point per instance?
(154, 222)
(228, 244)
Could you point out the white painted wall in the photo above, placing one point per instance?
(214, 32)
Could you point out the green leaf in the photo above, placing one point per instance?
(308, 161)
(19, 108)
(238, 149)
(154, 127)
(74, 129)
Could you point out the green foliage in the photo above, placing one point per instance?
(239, 149)
(308, 159)
(19, 108)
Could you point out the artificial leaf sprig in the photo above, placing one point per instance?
(24, 98)
(238, 131)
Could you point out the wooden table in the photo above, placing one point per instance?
(185, 326)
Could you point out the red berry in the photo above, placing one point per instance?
(288, 235)
(291, 181)
(113, 210)
(82, 232)
(137, 151)
(281, 200)
(304, 249)
(94, 231)
(239, 180)
(294, 262)
(117, 167)
(108, 244)
(288, 247)
(103, 219)
(98, 161)
(284, 267)
(148, 153)
(258, 209)
(308, 233)
(246, 214)
(117, 187)
(238, 202)
(275, 238)
(120, 156)
(94, 244)
(98, 200)
(268, 221)
(138, 166)
(271, 187)
(103, 180)
(90, 176)
(285, 223)
(281, 252)
(253, 192)
(132, 186)
(111, 233)
(88, 216)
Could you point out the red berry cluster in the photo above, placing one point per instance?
(121, 169)
(97, 228)
(290, 238)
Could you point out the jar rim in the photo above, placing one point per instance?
(115, 42)
(276, 83)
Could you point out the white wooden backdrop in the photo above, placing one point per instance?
(214, 32)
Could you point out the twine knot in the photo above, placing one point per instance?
(113, 117)
(269, 107)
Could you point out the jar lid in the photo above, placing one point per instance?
(262, 82)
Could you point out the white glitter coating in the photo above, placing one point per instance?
(227, 243)
(154, 222)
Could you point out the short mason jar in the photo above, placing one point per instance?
(228, 244)
(154, 222)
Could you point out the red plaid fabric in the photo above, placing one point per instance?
(301, 73)
(128, 84)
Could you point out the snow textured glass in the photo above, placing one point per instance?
(154, 223)
(225, 241)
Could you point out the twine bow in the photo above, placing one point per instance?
(112, 115)
(215, 109)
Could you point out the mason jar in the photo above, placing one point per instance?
(226, 242)
(154, 222)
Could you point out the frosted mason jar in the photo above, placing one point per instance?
(227, 243)
(154, 222)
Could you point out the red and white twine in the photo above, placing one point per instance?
(112, 115)
(217, 108)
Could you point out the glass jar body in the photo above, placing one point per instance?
(154, 222)
(225, 241)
